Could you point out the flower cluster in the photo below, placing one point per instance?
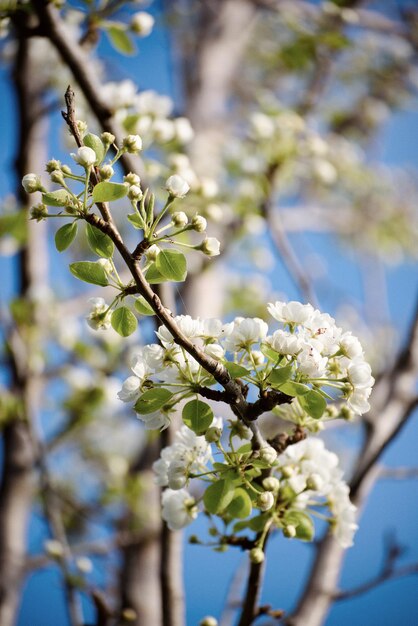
(187, 457)
(309, 358)
(312, 474)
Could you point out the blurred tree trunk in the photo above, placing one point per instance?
(18, 477)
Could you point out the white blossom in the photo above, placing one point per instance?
(142, 23)
(178, 508)
(98, 319)
(86, 157)
(31, 183)
(177, 186)
(132, 144)
(291, 312)
(210, 246)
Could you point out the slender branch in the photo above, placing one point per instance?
(407, 570)
(73, 55)
(398, 473)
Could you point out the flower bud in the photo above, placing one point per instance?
(210, 246)
(314, 482)
(257, 357)
(108, 139)
(346, 413)
(106, 172)
(132, 144)
(271, 483)
(132, 179)
(287, 471)
(135, 193)
(84, 564)
(54, 548)
(57, 177)
(213, 434)
(176, 482)
(179, 219)
(268, 454)
(265, 501)
(208, 621)
(194, 539)
(142, 23)
(177, 186)
(38, 212)
(199, 223)
(129, 615)
(31, 183)
(106, 265)
(66, 169)
(152, 252)
(256, 555)
(82, 127)
(52, 165)
(289, 531)
(86, 157)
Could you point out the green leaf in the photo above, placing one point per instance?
(95, 143)
(280, 375)
(313, 403)
(152, 400)
(57, 198)
(65, 235)
(241, 505)
(198, 416)
(100, 243)
(124, 321)
(294, 389)
(153, 276)
(136, 220)
(120, 40)
(172, 265)
(303, 523)
(143, 307)
(269, 352)
(108, 192)
(257, 523)
(218, 496)
(235, 370)
(14, 224)
(89, 272)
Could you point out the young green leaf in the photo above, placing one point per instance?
(152, 400)
(89, 272)
(124, 321)
(153, 276)
(218, 496)
(136, 221)
(280, 375)
(143, 307)
(120, 40)
(172, 265)
(235, 370)
(61, 197)
(294, 389)
(65, 235)
(100, 243)
(313, 403)
(269, 352)
(241, 505)
(303, 523)
(95, 143)
(108, 192)
(198, 416)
